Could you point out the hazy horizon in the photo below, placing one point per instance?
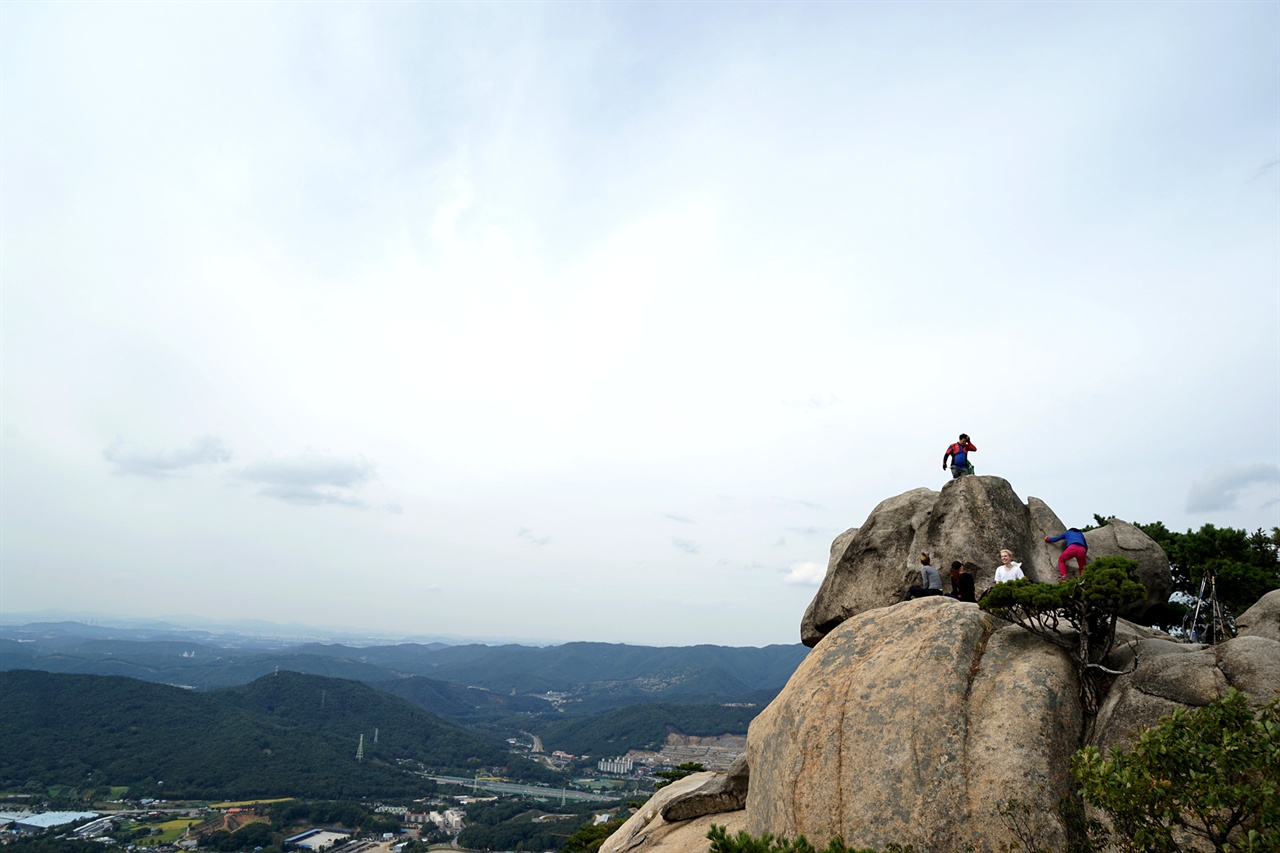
(301, 633)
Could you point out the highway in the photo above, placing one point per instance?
(527, 790)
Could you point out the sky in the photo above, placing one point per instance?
(599, 321)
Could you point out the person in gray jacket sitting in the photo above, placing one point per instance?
(930, 581)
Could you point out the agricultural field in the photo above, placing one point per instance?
(170, 830)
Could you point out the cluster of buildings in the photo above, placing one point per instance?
(449, 820)
(618, 766)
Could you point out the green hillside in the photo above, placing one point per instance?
(464, 704)
(286, 735)
(641, 727)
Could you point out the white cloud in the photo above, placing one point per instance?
(127, 459)
(689, 546)
(310, 480)
(1223, 488)
(528, 535)
(806, 573)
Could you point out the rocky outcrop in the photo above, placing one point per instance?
(648, 829)
(1262, 619)
(868, 570)
(1121, 539)
(911, 724)
(970, 520)
(914, 723)
(725, 792)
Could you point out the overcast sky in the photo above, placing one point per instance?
(599, 321)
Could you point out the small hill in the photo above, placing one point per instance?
(283, 735)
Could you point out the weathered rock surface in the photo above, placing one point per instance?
(867, 571)
(1263, 618)
(1170, 675)
(725, 792)
(912, 724)
(647, 829)
(1121, 539)
(970, 520)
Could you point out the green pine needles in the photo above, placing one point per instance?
(1078, 615)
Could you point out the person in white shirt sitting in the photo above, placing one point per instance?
(1008, 570)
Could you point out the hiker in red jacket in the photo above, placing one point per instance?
(958, 453)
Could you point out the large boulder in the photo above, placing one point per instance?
(867, 563)
(724, 792)
(971, 520)
(1263, 618)
(913, 724)
(1163, 675)
(1121, 539)
(649, 829)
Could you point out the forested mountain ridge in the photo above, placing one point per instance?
(467, 705)
(641, 727)
(593, 676)
(285, 734)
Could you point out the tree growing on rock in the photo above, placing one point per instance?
(1079, 615)
(1211, 772)
(683, 770)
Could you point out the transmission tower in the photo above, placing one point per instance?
(360, 749)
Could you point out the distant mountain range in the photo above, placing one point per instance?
(593, 677)
(256, 720)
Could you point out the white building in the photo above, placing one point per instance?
(48, 820)
(615, 765)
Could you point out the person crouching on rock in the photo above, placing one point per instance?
(930, 581)
(1077, 547)
(961, 582)
(1008, 570)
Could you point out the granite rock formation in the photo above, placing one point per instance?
(1164, 675)
(649, 829)
(970, 520)
(913, 723)
(1262, 619)
(907, 724)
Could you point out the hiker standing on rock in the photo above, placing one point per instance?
(1076, 547)
(958, 453)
